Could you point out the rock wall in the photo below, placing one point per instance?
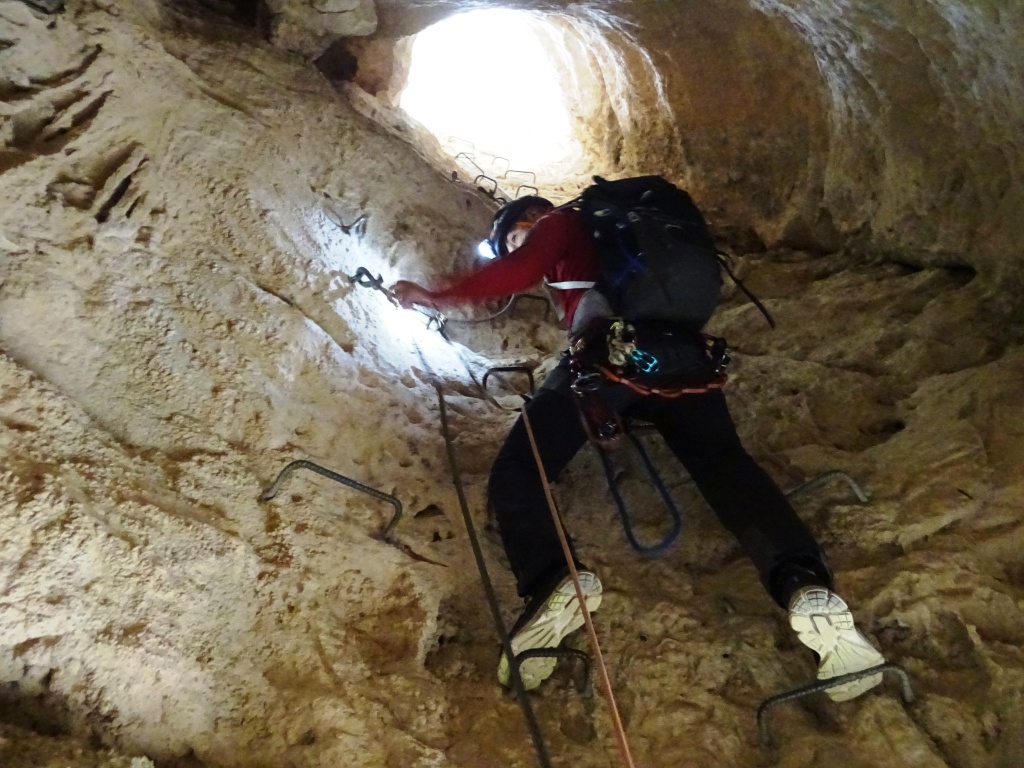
(180, 208)
(894, 129)
(173, 283)
(925, 126)
(308, 27)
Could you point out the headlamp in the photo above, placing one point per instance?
(486, 251)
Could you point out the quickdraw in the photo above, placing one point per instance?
(365, 278)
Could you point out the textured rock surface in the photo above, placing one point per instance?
(310, 26)
(895, 127)
(177, 323)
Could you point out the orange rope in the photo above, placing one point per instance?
(620, 731)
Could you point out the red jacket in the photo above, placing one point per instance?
(558, 248)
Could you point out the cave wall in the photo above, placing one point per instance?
(925, 125)
(892, 128)
(174, 293)
(177, 323)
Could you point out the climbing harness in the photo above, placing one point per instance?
(272, 490)
(667, 392)
(611, 350)
(588, 621)
(492, 601)
(906, 691)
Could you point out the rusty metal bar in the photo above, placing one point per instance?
(906, 691)
(272, 491)
(510, 369)
(821, 479)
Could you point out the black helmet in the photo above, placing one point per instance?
(507, 216)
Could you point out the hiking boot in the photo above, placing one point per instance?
(825, 625)
(546, 621)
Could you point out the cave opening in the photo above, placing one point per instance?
(491, 87)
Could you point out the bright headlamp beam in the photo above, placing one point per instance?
(485, 250)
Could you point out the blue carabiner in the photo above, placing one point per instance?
(645, 362)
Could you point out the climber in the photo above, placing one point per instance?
(533, 240)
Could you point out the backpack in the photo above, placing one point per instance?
(657, 258)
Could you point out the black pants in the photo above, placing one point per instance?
(700, 432)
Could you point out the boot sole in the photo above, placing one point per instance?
(824, 624)
(559, 617)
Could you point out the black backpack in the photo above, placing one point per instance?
(657, 258)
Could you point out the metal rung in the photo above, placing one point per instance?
(584, 685)
(821, 479)
(510, 369)
(798, 693)
(283, 475)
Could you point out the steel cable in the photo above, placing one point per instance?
(492, 599)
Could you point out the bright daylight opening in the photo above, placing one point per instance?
(487, 78)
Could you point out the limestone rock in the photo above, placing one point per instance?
(309, 27)
(178, 208)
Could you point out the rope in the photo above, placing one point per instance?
(674, 515)
(606, 684)
(492, 599)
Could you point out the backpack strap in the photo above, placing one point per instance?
(571, 285)
(742, 287)
(568, 285)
